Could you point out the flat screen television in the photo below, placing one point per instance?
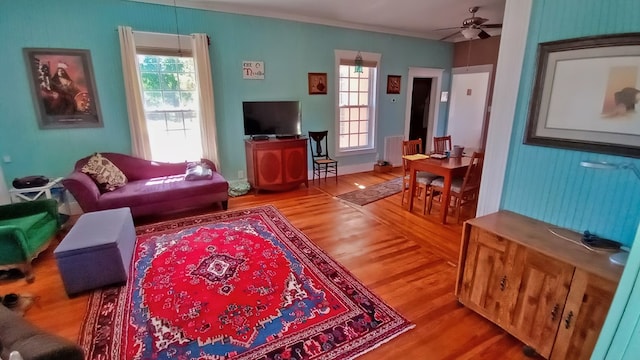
(279, 118)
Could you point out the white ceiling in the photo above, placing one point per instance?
(418, 18)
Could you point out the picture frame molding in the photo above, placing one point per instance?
(540, 97)
(313, 89)
(394, 87)
(93, 119)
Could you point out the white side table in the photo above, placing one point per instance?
(36, 193)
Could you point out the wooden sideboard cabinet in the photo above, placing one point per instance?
(550, 292)
(276, 164)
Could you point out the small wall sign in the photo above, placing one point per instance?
(253, 70)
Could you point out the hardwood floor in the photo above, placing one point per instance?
(407, 259)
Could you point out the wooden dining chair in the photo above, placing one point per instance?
(320, 155)
(423, 178)
(464, 191)
(441, 144)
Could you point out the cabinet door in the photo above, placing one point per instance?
(584, 314)
(537, 288)
(269, 162)
(295, 163)
(483, 283)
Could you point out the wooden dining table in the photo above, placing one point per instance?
(448, 168)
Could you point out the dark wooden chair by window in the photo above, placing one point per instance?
(464, 191)
(319, 144)
(441, 144)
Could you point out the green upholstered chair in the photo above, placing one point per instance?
(26, 229)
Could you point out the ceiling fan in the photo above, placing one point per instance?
(473, 27)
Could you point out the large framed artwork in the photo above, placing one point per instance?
(586, 95)
(63, 88)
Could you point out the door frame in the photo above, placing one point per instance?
(475, 69)
(435, 75)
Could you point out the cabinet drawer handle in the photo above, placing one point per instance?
(503, 283)
(567, 321)
(554, 312)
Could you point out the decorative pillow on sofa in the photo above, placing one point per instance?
(198, 171)
(104, 173)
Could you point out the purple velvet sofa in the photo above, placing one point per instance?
(153, 187)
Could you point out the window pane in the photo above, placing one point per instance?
(344, 114)
(344, 99)
(344, 127)
(152, 99)
(344, 70)
(353, 98)
(363, 140)
(353, 127)
(364, 113)
(168, 64)
(364, 99)
(353, 140)
(187, 81)
(354, 113)
(344, 141)
(353, 84)
(171, 99)
(188, 99)
(150, 81)
(169, 81)
(364, 84)
(364, 127)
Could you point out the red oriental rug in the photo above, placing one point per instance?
(240, 284)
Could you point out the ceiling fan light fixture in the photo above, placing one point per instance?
(470, 33)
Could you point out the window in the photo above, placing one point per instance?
(356, 118)
(170, 104)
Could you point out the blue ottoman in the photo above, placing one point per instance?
(97, 250)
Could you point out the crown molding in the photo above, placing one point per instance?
(252, 11)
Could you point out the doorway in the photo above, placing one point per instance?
(423, 105)
(420, 106)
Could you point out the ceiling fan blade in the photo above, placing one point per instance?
(483, 35)
(492, 26)
(450, 36)
(448, 28)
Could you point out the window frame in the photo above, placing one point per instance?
(167, 45)
(373, 101)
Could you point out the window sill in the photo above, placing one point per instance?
(344, 153)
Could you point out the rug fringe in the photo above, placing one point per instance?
(384, 341)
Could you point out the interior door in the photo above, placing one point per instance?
(468, 107)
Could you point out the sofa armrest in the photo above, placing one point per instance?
(83, 189)
(17, 334)
(212, 166)
(27, 208)
(13, 242)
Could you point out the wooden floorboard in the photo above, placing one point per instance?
(407, 259)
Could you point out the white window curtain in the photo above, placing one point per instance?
(200, 50)
(140, 146)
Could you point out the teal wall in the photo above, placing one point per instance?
(548, 183)
(289, 50)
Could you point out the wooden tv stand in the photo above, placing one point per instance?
(276, 164)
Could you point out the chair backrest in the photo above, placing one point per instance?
(474, 173)
(318, 149)
(410, 147)
(441, 144)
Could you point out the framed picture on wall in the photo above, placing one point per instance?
(393, 84)
(317, 83)
(63, 88)
(587, 95)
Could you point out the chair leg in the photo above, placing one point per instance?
(424, 199)
(430, 201)
(28, 273)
